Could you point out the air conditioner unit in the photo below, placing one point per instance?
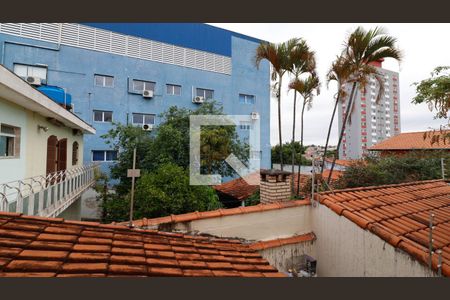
(147, 94)
(33, 80)
(198, 99)
(255, 116)
(147, 127)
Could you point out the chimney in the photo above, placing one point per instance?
(275, 186)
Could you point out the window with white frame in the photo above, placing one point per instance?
(206, 94)
(103, 80)
(104, 155)
(103, 116)
(173, 89)
(9, 141)
(142, 119)
(246, 99)
(29, 70)
(138, 86)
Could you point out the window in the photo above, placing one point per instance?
(104, 80)
(141, 119)
(173, 89)
(74, 153)
(27, 70)
(138, 86)
(245, 125)
(247, 99)
(102, 116)
(9, 141)
(104, 155)
(207, 94)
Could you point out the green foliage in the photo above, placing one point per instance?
(167, 191)
(163, 157)
(253, 199)
(391, 170)
(435, 91)
(287, 152)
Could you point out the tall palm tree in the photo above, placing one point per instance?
(361, 49)
(279, 57)
(306, 88)
(302, 60)
(338, 72)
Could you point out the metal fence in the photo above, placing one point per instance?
(49, 195)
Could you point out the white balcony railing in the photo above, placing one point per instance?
(46, 196)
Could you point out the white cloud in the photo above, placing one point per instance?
(424, 45)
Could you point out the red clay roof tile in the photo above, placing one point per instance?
(411, 141)
(401, 215)
(42, 247)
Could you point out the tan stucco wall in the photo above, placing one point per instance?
(13, 168)
(344, 249)
(33, 143)
(265, 225)
(36, 155)
(288, 256)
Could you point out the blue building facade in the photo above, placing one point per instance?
(107, 69)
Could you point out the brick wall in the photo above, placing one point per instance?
(275, 186)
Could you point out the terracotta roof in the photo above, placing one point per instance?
(399, 214)
(334, 176)
(49, 247)
(410, 141)
(341, 162)
(239, 188)
(284, 241)
(217, 213)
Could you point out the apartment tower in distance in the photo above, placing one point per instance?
(371, 122)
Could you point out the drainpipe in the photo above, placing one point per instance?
(430, 237)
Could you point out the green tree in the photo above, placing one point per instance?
(361, 49)
(163, 192)
(287, 151)
(168, 146)
(302, 61)
(435, 92)
(391, 170)
(306, 88)
(338, 72)
(279, 57)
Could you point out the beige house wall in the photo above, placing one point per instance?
(344, 249)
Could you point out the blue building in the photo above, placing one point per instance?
(130, 73)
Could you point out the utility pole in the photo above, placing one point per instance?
(133, 173)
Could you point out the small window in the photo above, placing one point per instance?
(246, 99)
(245, 125)
(141, 119)
(102, 116)
(138, 86)
(104, 80)
(173, 89)
(104, 155)
(9, 141)
(74, 153)
(207, 94)
(27, 70)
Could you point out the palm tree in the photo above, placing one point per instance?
(306, 88)
(361, 49)
(338, 72)
(279, 57)
(302, 60)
